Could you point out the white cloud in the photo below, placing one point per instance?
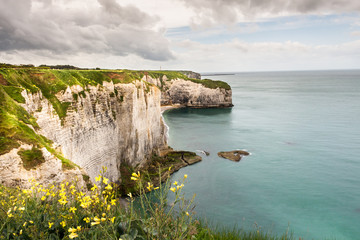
(355, 33)
(238, 55)
(210, 12)
(63, 27)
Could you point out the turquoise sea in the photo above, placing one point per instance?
(303, 174)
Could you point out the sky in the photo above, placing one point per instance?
(197, 35)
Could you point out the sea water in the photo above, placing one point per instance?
(303, 175)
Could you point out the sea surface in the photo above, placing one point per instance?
(303, 175)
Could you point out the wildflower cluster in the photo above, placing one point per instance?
(59, 210)
(66, 211)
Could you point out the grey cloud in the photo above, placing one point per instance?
(110, 28)
(226, 11)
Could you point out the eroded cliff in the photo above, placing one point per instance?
(87, 119)
(191, 92)
(106, 126)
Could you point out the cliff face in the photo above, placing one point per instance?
(193, 93)
(105, 126)
(96, 119)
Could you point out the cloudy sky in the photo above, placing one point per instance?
(199, 35)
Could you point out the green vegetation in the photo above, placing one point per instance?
(170, 75)
(31, 158)
(211, 83)
(65, 211)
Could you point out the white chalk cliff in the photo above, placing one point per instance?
(105, 126)
(104, 129)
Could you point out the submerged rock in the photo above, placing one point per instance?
(235, 155)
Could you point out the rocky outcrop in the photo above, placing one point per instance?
(235, 155)
(105, 126)
(14, 174)
(191, 94)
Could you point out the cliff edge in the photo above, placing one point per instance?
(67, 124)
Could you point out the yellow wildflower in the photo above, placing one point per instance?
(185, 176)
(20, 231)
(173, 189)
(73, 235)
(135, 176)
(105, 180)
(31, 222)
(94, 188)
(87, 219)
(62, 201)
(43, 198)
(72, 209)
(72, 230)
(24, 225)
(112, 219)
(63, 223)
(94, 223)
(150, 186)
(187, 214)
(98, 179)
(175, 183)
(103, 219)
(78, 228)
(50, 224)
(113, 202)
(108, 187)
(97, 221)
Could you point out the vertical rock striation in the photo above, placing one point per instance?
(106, 125)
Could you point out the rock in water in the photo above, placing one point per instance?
(235, 155)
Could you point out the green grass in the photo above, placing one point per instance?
(211, 83)
(31, 158)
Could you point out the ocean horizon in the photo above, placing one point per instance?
(302, 130)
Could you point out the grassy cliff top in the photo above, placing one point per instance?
(17, 125)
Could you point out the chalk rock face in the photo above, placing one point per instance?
(191, 94)
(14, 174)
(105, 125)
